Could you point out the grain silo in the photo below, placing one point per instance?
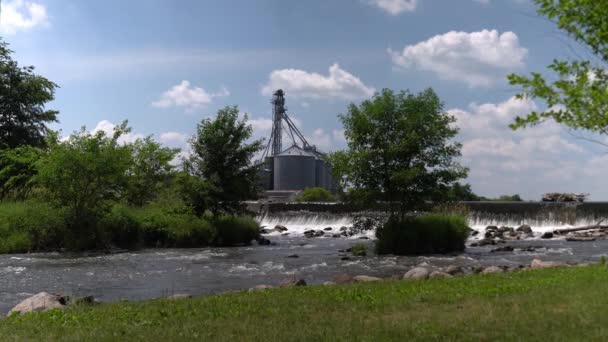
(296, 168)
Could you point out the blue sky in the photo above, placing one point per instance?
(164, 65)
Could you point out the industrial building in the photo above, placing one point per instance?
(298, 167)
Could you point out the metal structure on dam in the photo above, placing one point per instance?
(298, 167)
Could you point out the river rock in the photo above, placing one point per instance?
(265, 231)
(343, 279)
(580, 238)
(293, 281)
(526, 229)
(309, 233)
(437, 274)
(328, 229)
(319, 233)
(503, 249)
(343, 228)
(547, 235)
(293, 256)
(454, 270)
(474, 233)
(179, 296)
(280, 228)
(262, 241)
(42, 301)
(365, 279)
(260, 288)
(336, 236)
(417, 273)
(537, 263)
(492, 269)
(484, 242)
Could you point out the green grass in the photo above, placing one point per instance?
(566, 304)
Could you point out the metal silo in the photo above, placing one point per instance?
(320, 173)
(294, 169)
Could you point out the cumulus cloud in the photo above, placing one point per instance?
(478, 59)
(338, 84)
(188, 96)
(539, 159)
(108, 128)
(20, 15)
(394, 7)
(173, 138)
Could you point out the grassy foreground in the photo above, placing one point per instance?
(542, 305)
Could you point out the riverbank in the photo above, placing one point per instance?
(547, 304)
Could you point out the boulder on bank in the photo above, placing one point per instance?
(454, 270)
(439, 275)
(365, 279)
(417, 273)
(343, 279)
(492, 270)
(537, 263)
(42, 301)
(292, 281)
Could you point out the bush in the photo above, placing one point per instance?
(235, 230)
(426, 234)
(359, 249)
(316, 195)
(121, 228)
(31, 227)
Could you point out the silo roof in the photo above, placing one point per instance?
(297, 151)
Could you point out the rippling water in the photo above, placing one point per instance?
(157, 273)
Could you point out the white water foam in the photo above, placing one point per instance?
(298, 224)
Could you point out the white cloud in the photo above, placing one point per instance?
(186, 95)
(339, 84)
(476, 58)
(108, 128)
(173, 138)
(20, 15)
(395, 7)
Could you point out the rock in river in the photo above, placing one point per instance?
(280, 228)
(417, 273)
(43, 301)
(547, 235)
(525, 229)
(293, 281)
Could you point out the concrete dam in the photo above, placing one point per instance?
(541, 216)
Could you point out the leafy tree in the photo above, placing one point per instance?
(23, 96)
(221, 160)
(150, 170)
(400, 149)
(577, 96)
(316, 195)
(460, 192)
(85, 175)
(17, 171)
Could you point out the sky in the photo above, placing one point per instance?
(165, 65)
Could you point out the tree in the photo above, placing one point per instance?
(23, 96)
(17, 171)
(577, 97)
(459, 192)
(86, 174)
(400, 149)
(150, 170)
(221, 162)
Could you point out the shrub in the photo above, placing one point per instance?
(235, 230)
(316, 195)
(121, 228)
(359, 249)
(30, 227)
(425, 234)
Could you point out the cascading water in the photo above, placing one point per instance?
(299, 222)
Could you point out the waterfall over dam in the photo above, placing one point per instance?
(541, 216)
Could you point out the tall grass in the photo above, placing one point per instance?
(425, 234)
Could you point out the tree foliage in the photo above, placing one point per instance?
(577, 96)
(17, 171)
(150, 170)
(221, 162)
(23, 96)
(85, 174)
(400, 149)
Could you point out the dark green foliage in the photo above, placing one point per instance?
(31, 227)
(23, 116)
(426, 234)
(577, 93)
(359, 249)
(195, 192)
(222, 159)
(85, 174)
(400, 149)
(458, 192)
(150, 171)
(17, 171)
(316, 195)
(235, 230)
